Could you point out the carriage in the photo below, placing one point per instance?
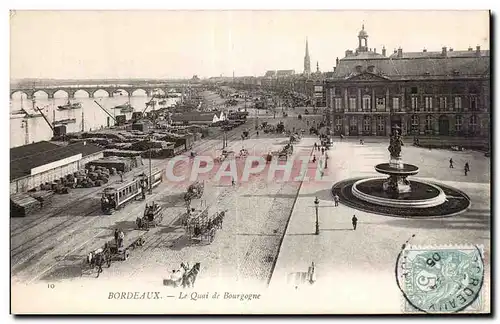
(153, 215)
(223, 156)
(194, 191)
(201, 227)
(118, 253)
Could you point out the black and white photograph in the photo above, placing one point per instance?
(250, 162)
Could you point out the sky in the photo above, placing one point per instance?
(179, 44)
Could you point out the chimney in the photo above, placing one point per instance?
(374, 50)
(425, 50)
(470, 49)
(478, 50)
(383, 51)
(443, 52)
(451, 49)
(400, 52)
(334, 69)
(395, 51)
(337, 61)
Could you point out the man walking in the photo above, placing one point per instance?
(451, 163)
(233, 182)
(116, 236)
(466, 168)
(354, 222)
(336, 199)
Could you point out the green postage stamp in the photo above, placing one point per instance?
(441, 279)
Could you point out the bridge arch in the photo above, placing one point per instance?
(81, 93)
(139, 92)
(99, 93)
(18, 94)
(41, 94)
(120, 92)
(61, 94)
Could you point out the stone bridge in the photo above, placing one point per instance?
(92, 89)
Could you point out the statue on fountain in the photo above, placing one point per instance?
(395, 145)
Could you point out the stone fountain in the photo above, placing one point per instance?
(397, 190)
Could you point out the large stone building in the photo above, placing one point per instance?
(425, 93)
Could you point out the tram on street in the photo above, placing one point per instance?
(115, 198)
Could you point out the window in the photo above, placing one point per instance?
(458, 103)
(367, 100)
(442, 103)
(338, 104)
(458, 123)
(381, 104)
(414, 103)
(473, 103)
(395, 104)
(428, 103)
(367, 124)
(428, 123)
(473, 122)
(338, 123)
(414, 123)
(353, 124)
(414, 90)
(380, 123)
(352, 104)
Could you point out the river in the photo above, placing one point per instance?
(93, 116)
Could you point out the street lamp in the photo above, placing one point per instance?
(316, 204)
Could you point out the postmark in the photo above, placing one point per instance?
(441, 279)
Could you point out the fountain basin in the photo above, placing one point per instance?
(406, 170)
(422, 194)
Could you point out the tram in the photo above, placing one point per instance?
(115, 198)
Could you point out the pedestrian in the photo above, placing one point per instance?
(121, 237)
(322, 151)
(466, 169)
(467, 166)
(314, 158)
(116, 236)
(233, 182)
(315, 145)
(451, 163)
(354, 222)
(336, 200)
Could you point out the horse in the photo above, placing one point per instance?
(177, 276)
(189, 278)
(100, 259)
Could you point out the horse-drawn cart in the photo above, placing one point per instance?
(153, 215)
(201, 227)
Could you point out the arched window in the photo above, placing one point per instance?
(338, 123)
(458, 122)
(371, 69)
(359, 68)
(414, 123)
(367, 124)
(428, 122)
(473, 123)
(380, 123)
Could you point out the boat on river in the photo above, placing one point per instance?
(70, 106)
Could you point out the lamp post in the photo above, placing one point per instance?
(316, 204)
(326, 160)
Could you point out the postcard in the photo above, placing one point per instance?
(250, 162)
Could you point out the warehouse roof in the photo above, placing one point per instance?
(25, 158)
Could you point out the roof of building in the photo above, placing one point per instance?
(285, 72)
(25, 158)
(270, 74)
(411, 66)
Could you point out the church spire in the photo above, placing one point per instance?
(307, 60)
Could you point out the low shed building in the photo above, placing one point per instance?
(37, 163)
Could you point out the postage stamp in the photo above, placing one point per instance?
(441, 279)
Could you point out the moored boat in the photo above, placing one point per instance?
(70, 106)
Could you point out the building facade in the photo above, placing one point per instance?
(443, 93)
